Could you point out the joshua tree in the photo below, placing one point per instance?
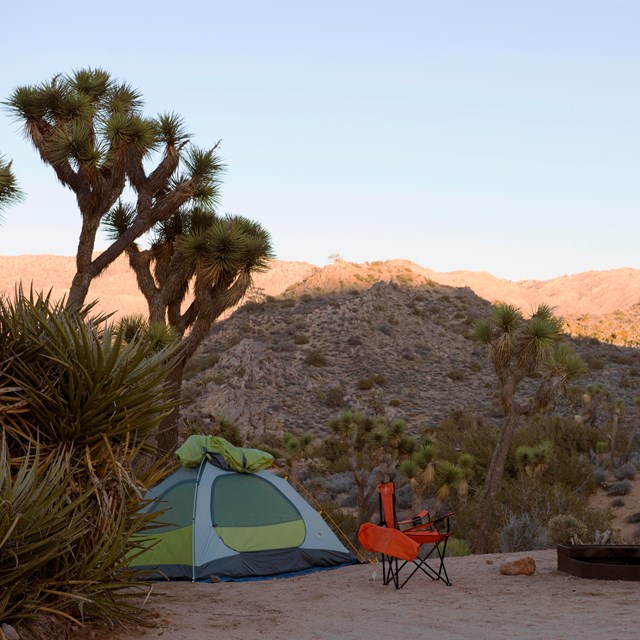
(214, 256)
(296, 449)
(372, 446)
(9, 192)
(424, 472)
(90, 129)
(518, 349)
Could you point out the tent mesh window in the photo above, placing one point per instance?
(251, 514)
(175, 507)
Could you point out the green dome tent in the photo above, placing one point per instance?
(220, 521)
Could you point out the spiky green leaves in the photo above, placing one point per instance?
(124, 129)
(517, 344)
(78, 402)
(203, 169)
(229, 246)
(77, 383)
(449, 477)
(9, 191)
(534, 459)
(92, 83)
(506, 318)
(171, 130)
(156, 335)
(86, 116)
(565, 363)
(118, 220)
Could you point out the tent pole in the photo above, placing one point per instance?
(193, 520)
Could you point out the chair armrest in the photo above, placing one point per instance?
(434, 525)
(418, 519)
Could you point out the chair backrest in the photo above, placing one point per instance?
(387, 501)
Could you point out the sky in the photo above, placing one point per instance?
(498, 136)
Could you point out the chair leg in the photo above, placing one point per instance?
(391, 570)
(425, 567)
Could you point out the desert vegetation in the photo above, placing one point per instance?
(79, 402)
(355, 375)
(559, 455)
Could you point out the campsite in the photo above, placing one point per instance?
(320, 320)
(349, 603)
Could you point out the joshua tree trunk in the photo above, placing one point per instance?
(168, 429)
(489, 495)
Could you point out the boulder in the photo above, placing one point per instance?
(523, 567)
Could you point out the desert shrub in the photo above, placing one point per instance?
(634, 517)
(599, 475)
(621, 488)
(79, 405)
(343, 523)
(315, 358)
(625, 472)
(200, 363)
(333, 398)
(521, 532)
(339, 483)
(602, 447)
(566, 529)
(301, 339)
(457, 547)
(226, 428)
(375, 379)
(617, 503)
(364, 384)
(594, 363)
(394, 402)
(455, 374)
(547, 499)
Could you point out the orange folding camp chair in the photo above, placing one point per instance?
(404, 540)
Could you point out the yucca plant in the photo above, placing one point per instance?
(78, 401)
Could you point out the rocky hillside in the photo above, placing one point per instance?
(390, 335)
(290, 363)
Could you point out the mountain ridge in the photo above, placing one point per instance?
(590, 292)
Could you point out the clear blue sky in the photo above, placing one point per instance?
(499, 136)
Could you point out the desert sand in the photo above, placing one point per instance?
(352, 603)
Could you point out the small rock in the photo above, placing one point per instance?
(9, 632)
(523, 567)
(214, 579)
(489, 561)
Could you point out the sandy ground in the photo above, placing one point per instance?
(351, 603)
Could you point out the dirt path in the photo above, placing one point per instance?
(350, 603)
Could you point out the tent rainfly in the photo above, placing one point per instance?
(222, 515)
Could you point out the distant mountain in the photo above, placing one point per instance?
(116, 289)
(594, 293)
(590, 292)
